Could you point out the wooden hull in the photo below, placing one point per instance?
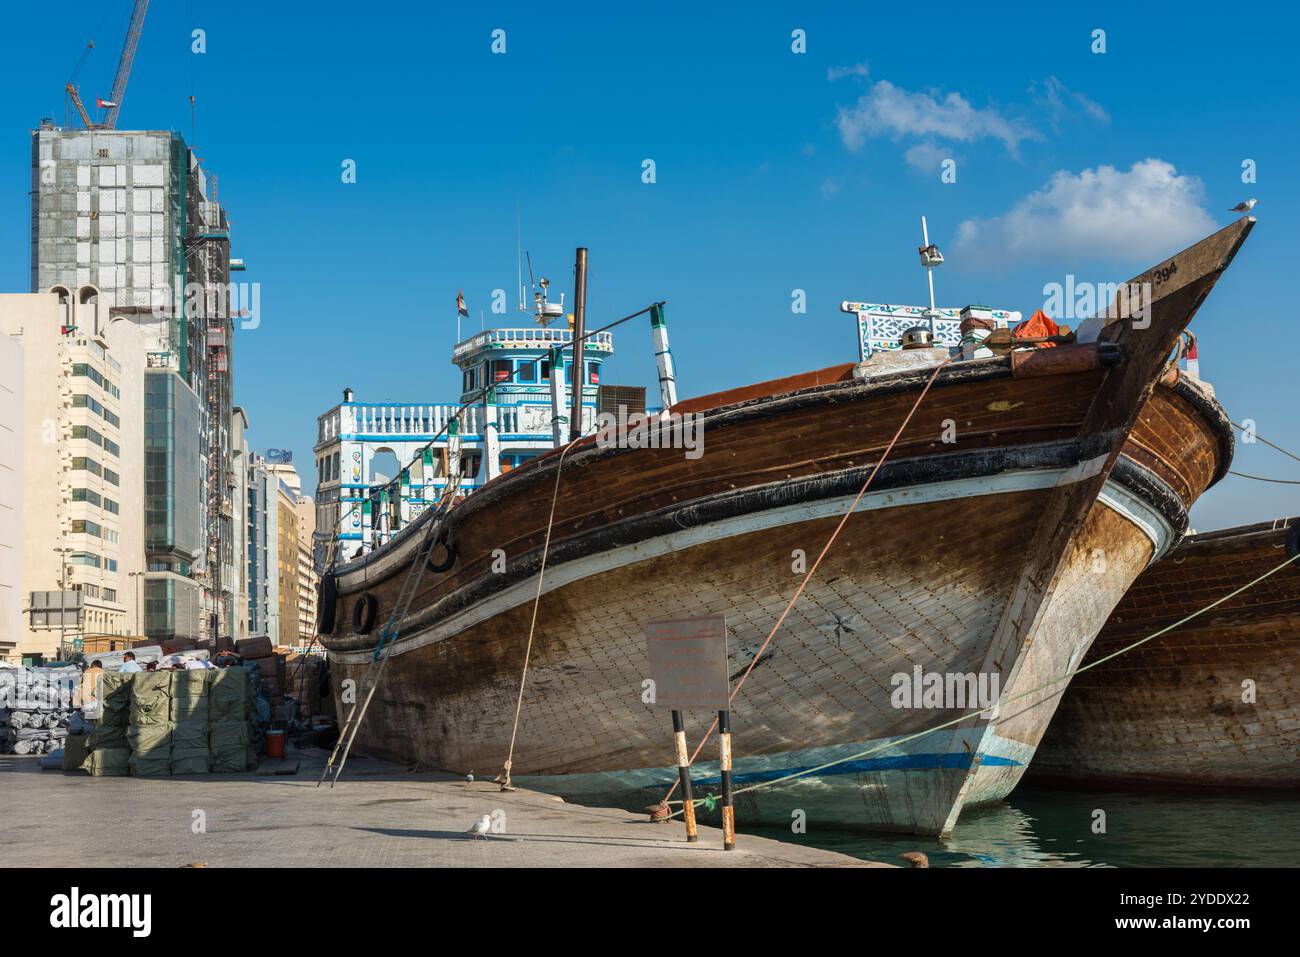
(1171, 712)
(998, 554)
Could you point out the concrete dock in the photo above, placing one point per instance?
(379, 815)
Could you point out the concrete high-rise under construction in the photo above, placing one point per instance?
(132, 217)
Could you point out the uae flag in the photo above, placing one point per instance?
(460, 304)
(104, 104)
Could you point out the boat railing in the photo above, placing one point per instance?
(413, 420)
(529, 338)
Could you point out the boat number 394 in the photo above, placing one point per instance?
(1164, 275)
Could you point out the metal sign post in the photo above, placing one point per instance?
(684, 775)
(724, 763)
(688, 664)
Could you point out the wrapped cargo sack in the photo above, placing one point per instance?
(190, 752)
(151, 698)
(107, 762)
(190, 695)
(227, 694)
(107, 736)
(151, 749)
(74, 751)
(228, 742)
(115, 695)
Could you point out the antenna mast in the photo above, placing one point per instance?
(931, 259)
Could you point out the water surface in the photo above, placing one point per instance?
(1044, 827)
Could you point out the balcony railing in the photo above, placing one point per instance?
(531, 338)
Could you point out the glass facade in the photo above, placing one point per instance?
(173, 521)
(171, 608)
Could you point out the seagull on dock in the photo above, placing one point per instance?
(1245, 206)
(482, 826)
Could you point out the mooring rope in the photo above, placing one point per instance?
(532, 625)
(1261, 478)
(813, 568)
(960, 718)
(1261, 438)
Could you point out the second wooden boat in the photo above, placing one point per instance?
(1213, 703)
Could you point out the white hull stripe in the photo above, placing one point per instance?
(1120, 500)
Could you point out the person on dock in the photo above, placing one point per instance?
(129, 663)
(90, 683)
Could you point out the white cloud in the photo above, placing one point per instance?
(1144, 213)
(888, 110)
(840, 72)
(1060, 102)
(926, 156)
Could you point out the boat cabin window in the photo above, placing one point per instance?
(568, 373)
(527, 371)
(593, 373)
(469, 463)
(546, 369)
(501, 370)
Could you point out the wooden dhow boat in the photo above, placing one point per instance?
(1027, 492)
(1214, 702)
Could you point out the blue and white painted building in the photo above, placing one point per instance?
(359, 504)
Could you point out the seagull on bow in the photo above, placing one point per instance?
(481, 826)
(1245, 206)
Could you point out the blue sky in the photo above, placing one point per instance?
(775, 171)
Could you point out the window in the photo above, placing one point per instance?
(546, 369)
(86, 495)
(87, 402)
(110, 594)
(111, 477)
(82, 464)
(110, 564)
(84, 558)
(501, 370)
(86, 432)
(111, 419)
(89, 371)
(83, 526)
(112, 448)
(527, 371)
(109, 505)
(593, 373)
(568, 373)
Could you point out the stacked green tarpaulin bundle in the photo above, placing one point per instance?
(230, 708)
(176, 722)
(190, 717)
(150, 731)
(109, 750)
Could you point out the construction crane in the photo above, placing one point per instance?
(71, 88)
(114, 102)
